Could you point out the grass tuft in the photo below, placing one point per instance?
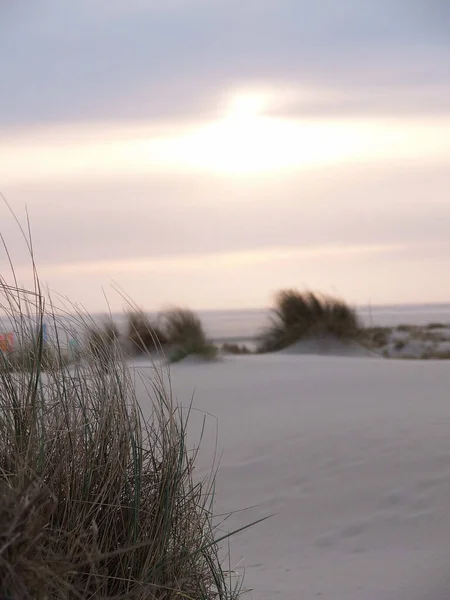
(436, 325)
(100, 340)
(405, 328)
(185, 335)
(144, 335)
(98, 500)
(399, 345)
(298, 315)
(232, 348)
(377, 337)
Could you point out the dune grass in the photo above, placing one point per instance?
(405, 328)
(177, 333)
(377, 337)
(100, 340)
(232, 348)
(298, 315)
(436, 325)
(98, 500)
(185, 335)
(144, 335)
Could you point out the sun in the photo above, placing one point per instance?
(252, 136)
(248, 140)
(247, 105)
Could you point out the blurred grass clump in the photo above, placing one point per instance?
(299, 315)
(185, 335)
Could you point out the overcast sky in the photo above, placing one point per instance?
(210, 152)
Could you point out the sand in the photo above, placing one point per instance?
(418, 342)
(329, 346)
(351, 454)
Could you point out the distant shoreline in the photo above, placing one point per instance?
(241, 327)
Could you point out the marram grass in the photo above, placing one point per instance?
(298, 315)
(96, 500)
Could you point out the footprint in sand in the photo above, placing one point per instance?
(353, 530)
(349, 531)
(392, 500)
(409, 504)
(326, 540)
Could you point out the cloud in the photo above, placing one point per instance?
(224, 261)
(361, 274)
(409, 100)
(157, 59)
(90, 87)
(242, 144)
(184, 216)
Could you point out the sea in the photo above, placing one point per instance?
(240, 326)
(243, 326)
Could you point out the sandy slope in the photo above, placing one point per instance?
(329, 345)
(353, 456)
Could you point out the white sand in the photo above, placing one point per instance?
(353, 456)
(418, 342)
(328, 345)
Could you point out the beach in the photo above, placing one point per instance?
(224, 314)
(350, 455)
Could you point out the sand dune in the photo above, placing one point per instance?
(330, 346)
(353, 457)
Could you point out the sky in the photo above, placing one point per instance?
(208, 153)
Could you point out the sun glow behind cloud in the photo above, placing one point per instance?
(244, 140)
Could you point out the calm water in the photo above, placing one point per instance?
(243, 325)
